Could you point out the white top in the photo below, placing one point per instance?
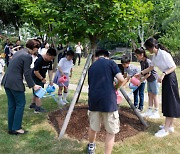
(65, 65)
(2, 64)
(33, 60)
(163, 60)
(78, 48)
(43, 51)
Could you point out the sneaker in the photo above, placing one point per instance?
(162, 133)
(39, 110)
(155, 115)
(32, 106)
(91, 148)
(147, 113)
(65, 101)
(61, 103)
(171, 129)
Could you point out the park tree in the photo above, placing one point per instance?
(38, 14)
(10, 21)
(171, 28)
(99, 19)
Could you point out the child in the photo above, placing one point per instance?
(64, 68)
(170, 92)
(131, 70)
(41, 65)
(102, 100)
(2, 64)
(152, 85)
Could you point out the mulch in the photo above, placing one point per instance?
(78, 124)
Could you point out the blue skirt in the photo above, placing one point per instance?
(56, 78)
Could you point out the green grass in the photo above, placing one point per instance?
(42, 138)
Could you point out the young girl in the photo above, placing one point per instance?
(152, 85)
(170, 93)
(64, 68)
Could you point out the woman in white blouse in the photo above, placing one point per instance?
(170, 93)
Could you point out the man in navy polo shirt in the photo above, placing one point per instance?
(102, 100)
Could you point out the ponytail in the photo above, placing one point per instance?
(163, 48)
(141, 50)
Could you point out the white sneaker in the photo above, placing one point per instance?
(155, 115)
(62, 103)
(147, 113)
(162, 133)
(65, 101)
(171, 129)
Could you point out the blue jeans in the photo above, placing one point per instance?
(140, 91)
(16, 104)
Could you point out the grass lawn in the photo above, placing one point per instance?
(42, 138)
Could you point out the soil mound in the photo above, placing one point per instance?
(78, 124)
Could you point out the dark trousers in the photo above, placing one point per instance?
(140, 91)
(77, 55)
(16, 104)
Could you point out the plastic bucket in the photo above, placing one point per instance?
(119, 98)
(135, 81)
(62, 79)
(40, 93)
(50, 89)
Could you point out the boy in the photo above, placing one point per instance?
(42, 64)
(102, 100)
(131, 70)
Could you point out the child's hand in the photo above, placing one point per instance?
(138, 75)
(51, 83)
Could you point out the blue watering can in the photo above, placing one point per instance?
(50, 89)
(40, 93)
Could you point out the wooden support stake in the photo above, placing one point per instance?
(133, 107)
(76, 94)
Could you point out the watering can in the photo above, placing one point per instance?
(119, 98)
(62, 79)
(135, 81)
(40, 93)
(132, 86)
(50, 89)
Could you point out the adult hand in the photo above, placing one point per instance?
(161, 77)
(44, 81)
(36, 87)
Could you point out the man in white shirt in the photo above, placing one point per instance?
(79, 49)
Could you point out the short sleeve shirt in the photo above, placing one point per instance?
(145, 64)
(65, 65)
(163, 60)
(102, 96)
(132, 70)
(42, 66)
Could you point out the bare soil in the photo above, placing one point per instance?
(78, 124)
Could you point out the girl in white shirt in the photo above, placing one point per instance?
(170, 93)
(64, 69)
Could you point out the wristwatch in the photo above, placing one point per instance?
(164, 73)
